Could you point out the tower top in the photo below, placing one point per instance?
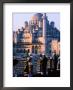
(44, 15)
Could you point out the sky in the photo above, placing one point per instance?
(18, 19)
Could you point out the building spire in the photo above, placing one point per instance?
(44, 32)
(44, 15)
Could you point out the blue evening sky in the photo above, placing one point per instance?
(20, 18)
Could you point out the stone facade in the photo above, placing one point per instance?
(36, 35)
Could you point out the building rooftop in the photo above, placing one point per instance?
(37, 16)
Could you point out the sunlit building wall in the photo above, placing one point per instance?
(55, 46)
(37, 35)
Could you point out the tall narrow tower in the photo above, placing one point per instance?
(44, 32)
